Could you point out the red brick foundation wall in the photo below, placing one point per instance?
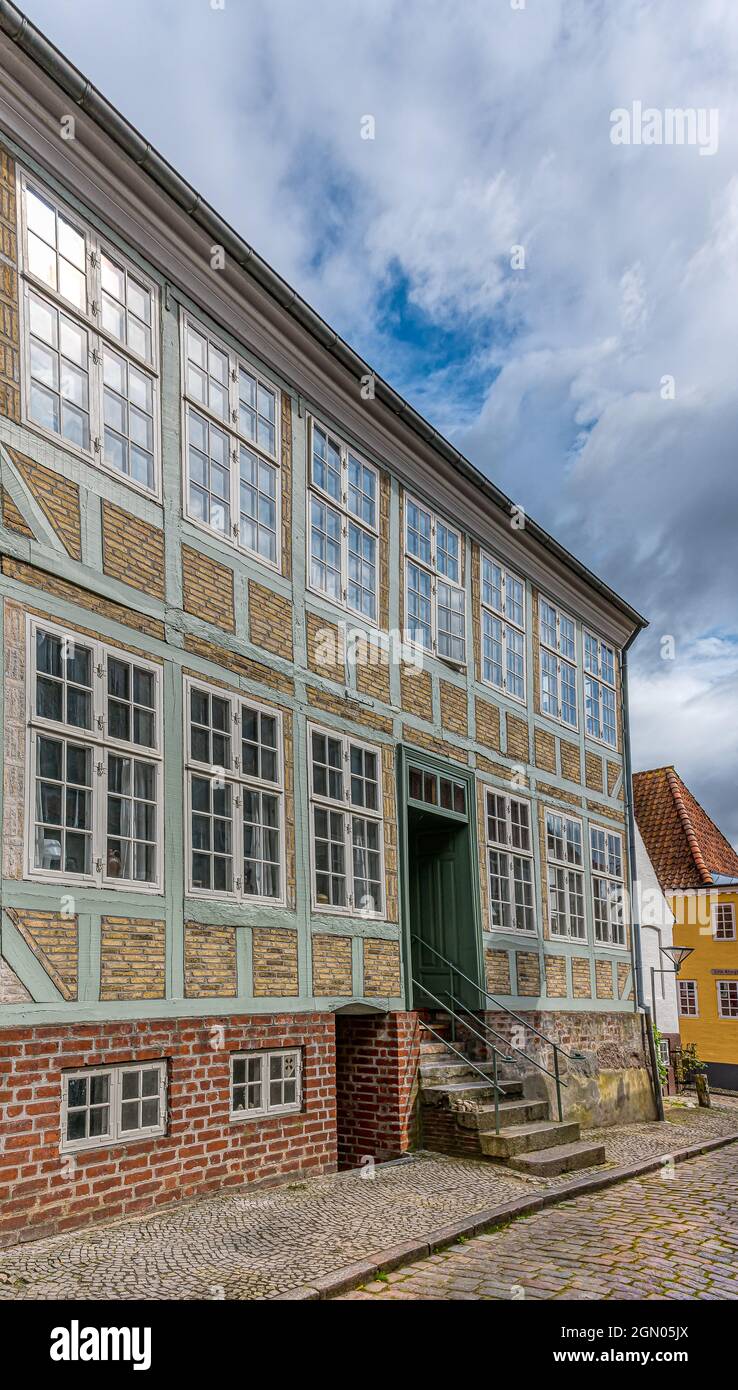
(376, 1085)
(43, 1191)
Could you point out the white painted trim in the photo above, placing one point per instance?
(265, 1110)
(347, 810)
(346, 517)
(115, 1135)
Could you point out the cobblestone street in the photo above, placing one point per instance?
(656, 1237)
(246, 1244)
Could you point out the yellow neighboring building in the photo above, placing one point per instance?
(698, 872)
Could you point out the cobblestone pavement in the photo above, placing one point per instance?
(253, 1244)
(654, 1237)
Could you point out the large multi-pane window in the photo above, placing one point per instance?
(723, 922)
(107, 1105)
(235, 792)
(346, 824)
(344, 524)
(435, 607)
(90, 341)
(503, 629)
(565, 865)
(95, 759)
(557, 639)
(510, 863)
(232, 444)
(599, 690)
(266, 1083)
(606, 852)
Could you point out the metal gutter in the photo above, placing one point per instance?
(32, 42)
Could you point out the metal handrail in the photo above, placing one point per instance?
(493, 997)
(498, 1092)
(509, 1045)
(454, 970)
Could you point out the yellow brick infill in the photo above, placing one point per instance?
(556, 987)
(416, 692)
(497, 971)
(207, 589)
(381, 968)
(545, 750)
(603, 979)
(581, 977)
(372, 669)
(57, 497)
(53, 939)
(244, 666)
(528, 971)
(332, 965)
(12, 989)
(487, 720)
(12, 518)
(132, 958)
(349, 709)
(433, 744)
(84, 598)
(326, 647)
(270, 620)
(593, 772)
(454, 716)
(14, 740)
(133, 550)
(210, 961)
(571, 766)
(274, 953)
(517, 738)
(391, 863)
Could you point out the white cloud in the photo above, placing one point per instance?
(493, 129)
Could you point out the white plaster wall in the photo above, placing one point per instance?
(656, 920)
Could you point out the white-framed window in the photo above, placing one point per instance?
(90, 341)
(346, 824)
(266, 1083)
(727, 993)
(688, 1001)
(108, 1105)
(557, 638)
(231, 418)
(235, 795)
(599, 690)
(723, 922)
(503, 628)
(509, 863)
(664, 1052)
(343, 498)
(435, 601)
(94, 811)
(565, 864)
(608, 897)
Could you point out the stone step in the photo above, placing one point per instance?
(457, 1090)
(512, 1112)
(429, 1048)
(527, 1138)
(563, 1158)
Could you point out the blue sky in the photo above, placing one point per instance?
(492, 130)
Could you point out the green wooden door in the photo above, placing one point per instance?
(442, 912)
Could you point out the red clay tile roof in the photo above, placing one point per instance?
(684, 845)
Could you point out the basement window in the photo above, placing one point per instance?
(107, 1105)
(95, 762)
(90, 340)
(266, 1083)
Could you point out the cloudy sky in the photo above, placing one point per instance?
(492, 125)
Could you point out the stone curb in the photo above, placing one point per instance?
(352, 1276)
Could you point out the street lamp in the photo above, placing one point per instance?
(677, 955)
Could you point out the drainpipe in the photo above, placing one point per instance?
(635, 926)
